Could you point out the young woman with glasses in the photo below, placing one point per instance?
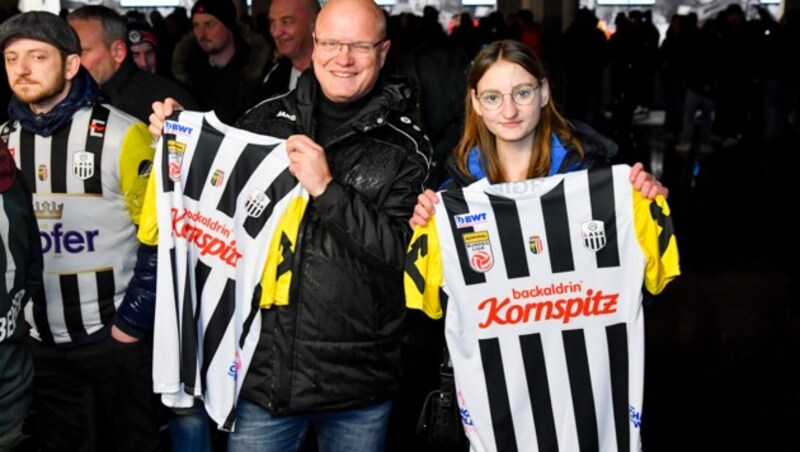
(514, 132)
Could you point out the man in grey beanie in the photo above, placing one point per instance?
(87, 164)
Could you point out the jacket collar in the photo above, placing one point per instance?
(83, 93)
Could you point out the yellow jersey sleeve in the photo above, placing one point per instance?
(423, 277)
(277, 275)
(148, 221)
(656, 237)
(135, 164)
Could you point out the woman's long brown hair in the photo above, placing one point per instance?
(476, 133)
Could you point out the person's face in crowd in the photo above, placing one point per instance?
(345, 74)
(290, 26)
(212, 35)
(37, 73)
(511, 121)
(144, 55)
(101, 60)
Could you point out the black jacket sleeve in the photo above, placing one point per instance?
(136, 314)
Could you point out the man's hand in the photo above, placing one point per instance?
(121, 336)
(648, 185)
(424, 208)
(308, 164)
(161, 111)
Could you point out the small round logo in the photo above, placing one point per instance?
(481, 261)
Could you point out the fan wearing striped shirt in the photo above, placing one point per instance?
(513, 133)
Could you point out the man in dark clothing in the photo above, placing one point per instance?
(221, 67)
(331, 358)
(105, 54)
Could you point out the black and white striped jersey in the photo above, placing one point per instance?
(88, 181)
(228, 212)
(544, 321)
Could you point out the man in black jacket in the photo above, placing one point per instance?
(331, 358)
(105, 54)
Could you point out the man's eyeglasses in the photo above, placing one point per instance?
(355, 48)
(521, 94)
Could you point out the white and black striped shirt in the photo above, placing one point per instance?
(227, 211)
(544, 322)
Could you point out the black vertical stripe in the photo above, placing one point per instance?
(27, 157)
(276, 191)
(204, 154)
(580, 383)
(59, 155)
(217, 326)
(248, 161)
(455, 204)
(556, 225)
(105, 295)
(617, 337)
(601, 193)
(539, 391)
(40, 317)
(499, 404)
(95, 137)
(70, 296)
(509, 228)
(4, 263)
(189, 334)
(255, 306)
(21, 222)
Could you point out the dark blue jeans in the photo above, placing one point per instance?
(357, 430)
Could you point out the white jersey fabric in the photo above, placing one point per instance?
(222, 197)
(544, 322)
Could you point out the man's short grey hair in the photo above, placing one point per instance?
(114, 26)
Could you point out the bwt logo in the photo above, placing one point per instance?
(177, 128)
(72, 242)
(470, 219)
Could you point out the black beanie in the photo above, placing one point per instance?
(223, 10)
(40, 26)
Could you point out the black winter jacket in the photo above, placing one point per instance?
(337, 344)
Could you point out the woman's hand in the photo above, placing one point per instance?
(646, 183)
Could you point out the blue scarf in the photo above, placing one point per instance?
(475, 163)
(83, 93)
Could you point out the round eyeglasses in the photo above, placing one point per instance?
(520, 94)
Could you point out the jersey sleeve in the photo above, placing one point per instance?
(277, 275)
(148, 220)
(656, 237)
(423, 277)
(136, 162)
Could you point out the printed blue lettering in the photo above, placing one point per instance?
(72, 242)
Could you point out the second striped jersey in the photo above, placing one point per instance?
(544, 320)
(228, 212)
